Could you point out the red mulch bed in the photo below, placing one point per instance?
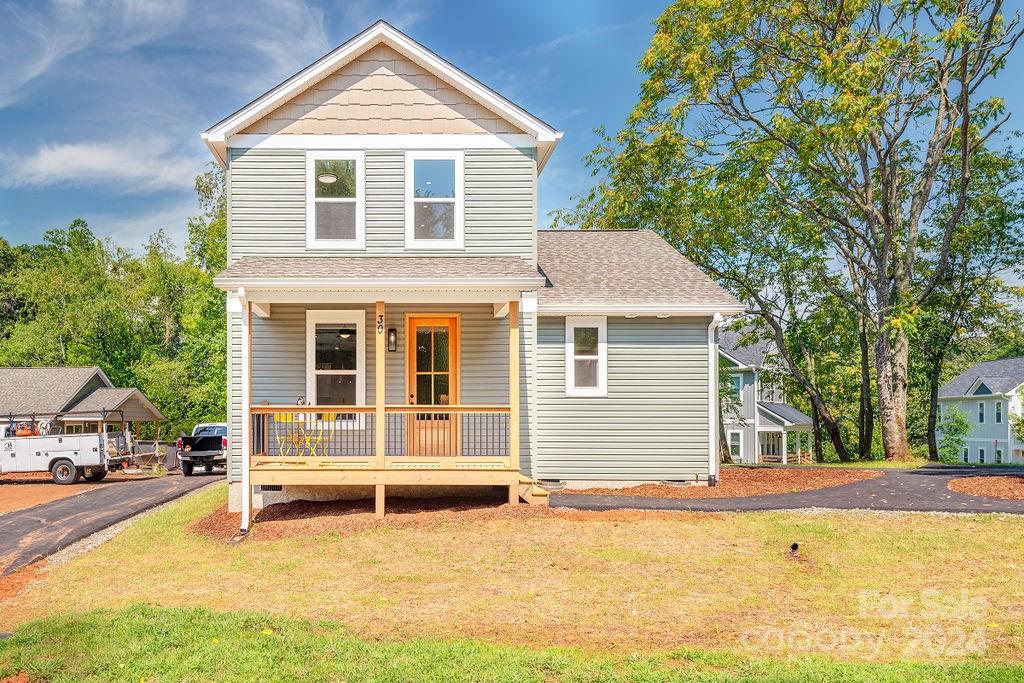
(318, 518)
(1010, 486)
(746, 481)
(12, 584)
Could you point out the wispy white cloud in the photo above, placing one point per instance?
(552, 44)
(402, 14)
(35, 37)
(141, 165)
(133, 230)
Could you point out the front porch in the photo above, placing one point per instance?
(400, 393)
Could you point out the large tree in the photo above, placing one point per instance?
(842, 113)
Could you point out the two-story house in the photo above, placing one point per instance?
(763, 427)
(987, 394)
(396, 321)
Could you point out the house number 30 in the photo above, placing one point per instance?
(380, 324)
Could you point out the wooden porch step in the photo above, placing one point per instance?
(532, 494)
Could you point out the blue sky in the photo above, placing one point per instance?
(102, 102)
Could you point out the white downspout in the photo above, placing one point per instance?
(713, 455)
(246, 418)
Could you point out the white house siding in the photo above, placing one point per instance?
(279, 361)
(653, 425)
(267, 213)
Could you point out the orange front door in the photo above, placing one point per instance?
(433, 380)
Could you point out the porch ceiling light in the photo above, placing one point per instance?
(344, 334)
(327, 178)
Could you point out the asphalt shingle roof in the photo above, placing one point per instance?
(786, 412)
(621, 268)
(752, 354)
(361, 268)
(40, 391)
(1001, 376)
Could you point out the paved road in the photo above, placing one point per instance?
(32, 534)
(920, 490)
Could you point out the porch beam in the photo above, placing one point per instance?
(513, 393)
(500, 310)
(379, 397)
(261, 310)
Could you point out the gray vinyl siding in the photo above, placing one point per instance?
(988, 435)
(279, 360)
(745, 424)
(267, 214)
(653, 425)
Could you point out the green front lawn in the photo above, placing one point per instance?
(153, 644)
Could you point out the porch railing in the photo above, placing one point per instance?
(308, 433)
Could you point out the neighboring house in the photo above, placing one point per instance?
(80, 399)
(767, 428)
(987, 394)
(385, 266)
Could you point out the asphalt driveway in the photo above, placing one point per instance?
(36, 532)
(919, 490)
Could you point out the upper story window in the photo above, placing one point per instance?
(434, 200)
(981, 412)
(586, 356)
(335, 217)
(736, 384)
(999, 412)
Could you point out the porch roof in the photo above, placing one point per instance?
(360, 272)
(786, 412)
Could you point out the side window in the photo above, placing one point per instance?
(737, 385)
(586, 356)
(434, 200)
(999, 412)
(999, 456)
(966, 455)
(981, 456)
(335, 215)
(735, 445)
(981, 412)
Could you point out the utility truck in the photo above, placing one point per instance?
(30, 446)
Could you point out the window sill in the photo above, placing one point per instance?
(346, 245)
(586, 393)
(422, 245)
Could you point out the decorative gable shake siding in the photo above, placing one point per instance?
(653, 424)
(279, 362)
(267, 206)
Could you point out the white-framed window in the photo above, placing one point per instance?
(434, 200)
(966, 455)
(336, 358)
(999, 412)
(586, 355)
(736, 381)
(981, 456)
(999, 456)
(981, 412)
(736, 444)
(335, 200)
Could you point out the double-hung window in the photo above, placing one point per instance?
(586, 356)
(999, 412)
(966, 454)
(335, 215)
(736, 384)
(999, 456)
(981, 412)
(434, 200)
(336, 359)
(981, 456)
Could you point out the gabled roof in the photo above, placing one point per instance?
(109, 399)
(1000, 376)
(785, 412)
(750, 355)
(217, 135)
(43, 391)
(625, 271)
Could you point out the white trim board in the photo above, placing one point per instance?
(312, 241)
(601, 389)
(458, 240)
(372, 141)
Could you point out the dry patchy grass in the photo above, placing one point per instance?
(597, 580)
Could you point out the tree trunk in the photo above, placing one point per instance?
(933, 410)
(866, 423)
(891, 357)
(816, 431)
(725, 455)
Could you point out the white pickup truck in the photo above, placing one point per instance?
(67, 457)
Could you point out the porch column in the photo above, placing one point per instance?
(246, 417)
(513, 397)
(379, 397)
(785, 448)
